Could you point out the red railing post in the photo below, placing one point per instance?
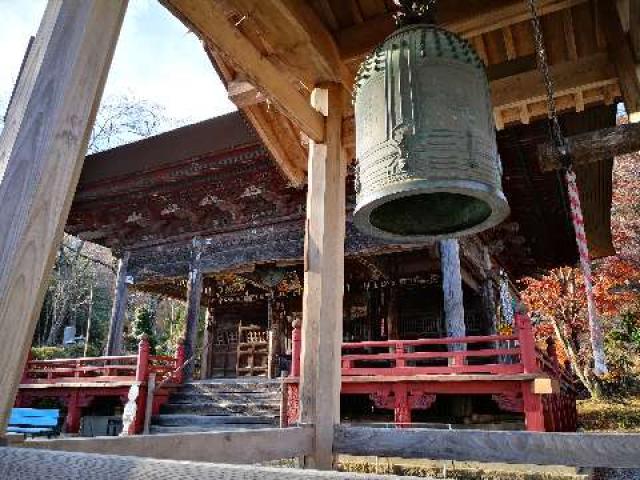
(296, 346)
(400, 362)
(527, 342)
(142, 367)
(180, 359)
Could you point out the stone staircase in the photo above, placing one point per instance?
(220, 405)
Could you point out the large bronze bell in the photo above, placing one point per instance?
(428, 165)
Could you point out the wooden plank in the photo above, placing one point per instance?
(289, 155)
(118, 309)
(569, 35)
(622, 57)
(293, 27)
(616, 450)
(241, 446)
(244, 94)
(593, 147)
(30, 464)
(509, 44)
(209, 21)
(464, 18)
(323, 280)
(634, 27)
(41, 151)
(567, 76)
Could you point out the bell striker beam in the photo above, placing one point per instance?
(452, 289)
(323, 280)
(119, 308)
(194, 295)
(41, 151)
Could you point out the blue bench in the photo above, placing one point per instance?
(35, 421)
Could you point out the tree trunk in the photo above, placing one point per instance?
(592, 387)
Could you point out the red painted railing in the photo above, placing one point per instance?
(108, 369)
(493, 354)
(431, 356)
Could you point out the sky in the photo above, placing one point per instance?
(156, 59)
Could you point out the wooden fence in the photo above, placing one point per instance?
(613, 450)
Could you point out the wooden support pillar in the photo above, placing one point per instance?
(488, 293)
(452, 290)
(323, 280)
(207, 342)
(74, 413)
(622, 56)
(634, 28)
(392, 313)
(42, 147)
(194, 296)
(119, 308)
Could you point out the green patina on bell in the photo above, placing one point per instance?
(428, 165)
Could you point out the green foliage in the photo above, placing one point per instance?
(71, 351)
(172, 326)
(622, 347)
(144, 324)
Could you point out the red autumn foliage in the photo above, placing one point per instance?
(557, 299)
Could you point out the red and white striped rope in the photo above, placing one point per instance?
(597, 339)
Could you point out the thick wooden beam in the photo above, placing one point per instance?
(634, 27)
(41, 151)
(528, 87)
(593, 146)
(244, 94)
(468, 19)
(194, 296)
(209, 21)
(242, 446)
(119, 308)
(323, 280)
(293, 27)
(615, 450)
(622, 56)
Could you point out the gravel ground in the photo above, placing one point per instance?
(617, 474)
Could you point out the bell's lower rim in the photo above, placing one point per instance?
(494, 199)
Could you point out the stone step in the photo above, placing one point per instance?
(219, 409)
(186, 420)
(231, 388)
(220, 428)
(205, 397)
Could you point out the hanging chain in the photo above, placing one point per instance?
(543, 66)
(413, 12)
